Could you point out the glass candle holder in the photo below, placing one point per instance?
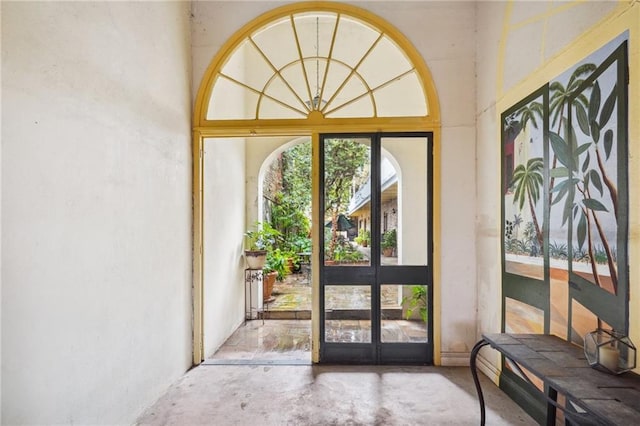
(609, 351)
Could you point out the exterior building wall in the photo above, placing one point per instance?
(271, 184)
(390, 210)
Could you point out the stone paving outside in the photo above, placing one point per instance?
(293, 294)
(348, 309)
(290, 340)
(285, 334)
(257, 340)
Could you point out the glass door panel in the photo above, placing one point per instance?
(404, 313)
(404, 218)
(347, 310)
(375, 279)
(347, 206)
(404, 245)
(347, 296)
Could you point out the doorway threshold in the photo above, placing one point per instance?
(283, 315)
(256, 362)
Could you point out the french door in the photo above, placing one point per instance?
(375, 276)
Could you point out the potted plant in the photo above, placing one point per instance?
(417, 300)
(363, 238)
(389, 242)
(275, 268)
(293, 260)
(258, 240)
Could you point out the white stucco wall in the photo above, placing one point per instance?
(488, 269)
(96, 209)
(224, 228)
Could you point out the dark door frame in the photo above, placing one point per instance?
(374, 275)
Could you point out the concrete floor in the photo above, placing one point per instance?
(260, 395)
(263, 376)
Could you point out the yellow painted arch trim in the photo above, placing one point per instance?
(204, 92)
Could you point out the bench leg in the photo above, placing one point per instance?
(474, 373)
(552, 395)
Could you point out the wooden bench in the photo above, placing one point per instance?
(597, 398)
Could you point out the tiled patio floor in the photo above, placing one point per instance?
(294, 295)
(277, 341)
(284, 335)
(289, 341)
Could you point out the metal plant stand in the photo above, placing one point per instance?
(253, 293)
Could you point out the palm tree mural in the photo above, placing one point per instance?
(591, 125)
(560, 95)
(528, 113)
(560, 102)
(527, 180)
(587, 181)
(517, 221)
(582, 139)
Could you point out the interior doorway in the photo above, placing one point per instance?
(301, 69)
(264, 185)
(375, 278)
(376, 297)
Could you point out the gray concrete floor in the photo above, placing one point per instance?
(259, 395)
(263, 376)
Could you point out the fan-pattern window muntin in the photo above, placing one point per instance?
(317, 61)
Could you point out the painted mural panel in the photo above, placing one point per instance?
(565, 199)
(522, 318)
(523, 191)
(584, 171)
(559, 301)
(583, 321)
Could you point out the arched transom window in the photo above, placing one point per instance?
(324, 63)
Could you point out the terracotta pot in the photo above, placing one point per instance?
(267, 285)
(387, 252)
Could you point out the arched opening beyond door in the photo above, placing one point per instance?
(314, 69)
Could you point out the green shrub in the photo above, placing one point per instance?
(389, 239)
(417, 300)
